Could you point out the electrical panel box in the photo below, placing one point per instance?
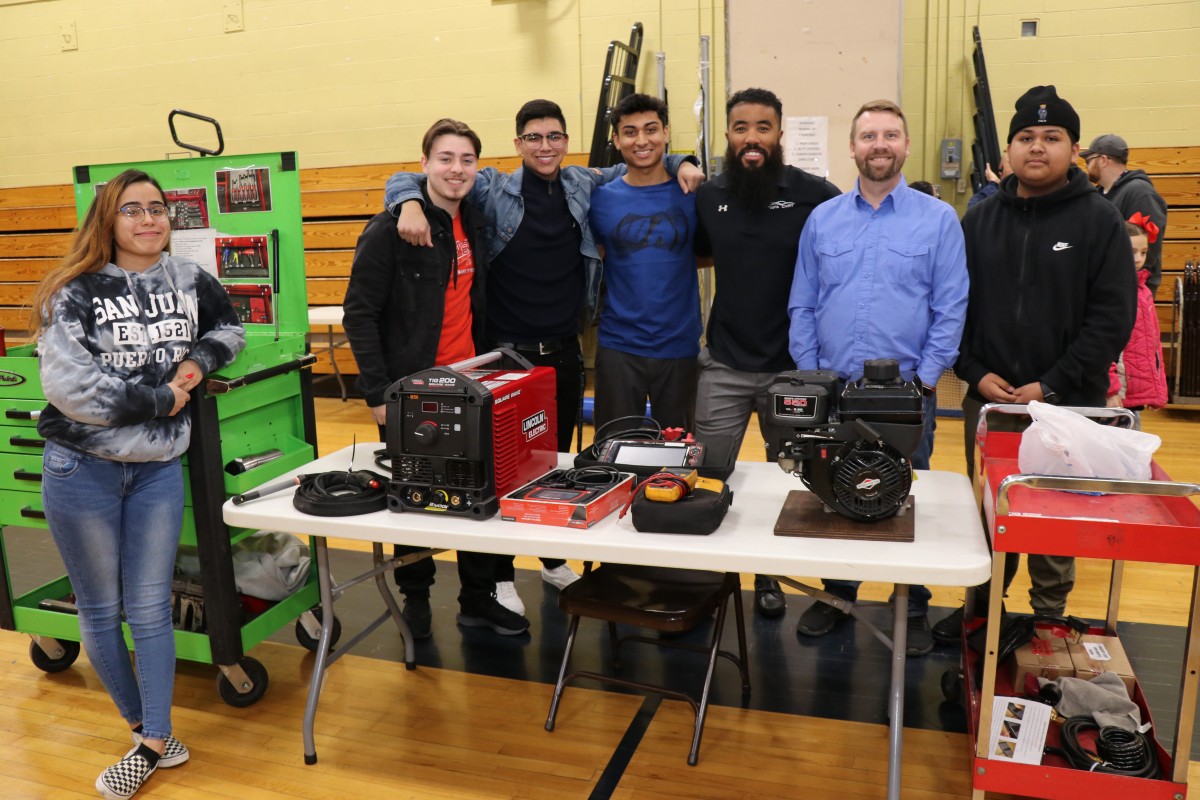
(951, 158)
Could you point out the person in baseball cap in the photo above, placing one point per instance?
(1130, 190)
(1041, 105)
(1109, 145)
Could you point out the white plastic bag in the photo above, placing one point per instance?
(1062, 442)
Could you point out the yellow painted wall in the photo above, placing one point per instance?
(1127, 68)
(341, 82)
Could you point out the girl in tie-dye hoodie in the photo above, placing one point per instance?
(126, 332)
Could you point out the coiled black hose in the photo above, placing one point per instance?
(1118, 751)
(341, 494)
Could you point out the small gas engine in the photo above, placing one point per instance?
(850, 444)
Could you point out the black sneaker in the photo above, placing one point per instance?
(495, 616)
(949, 630)
(819, 619)
(122, 780)
(419, 617)
(920, 636)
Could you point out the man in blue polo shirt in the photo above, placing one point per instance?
(881, 273)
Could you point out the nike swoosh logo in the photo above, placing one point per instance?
(1061, 246)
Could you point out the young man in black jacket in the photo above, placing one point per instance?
(1052, 299)
(408, 308)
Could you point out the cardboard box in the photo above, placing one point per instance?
(546, 502)
(1095, 655)
(1042, 658)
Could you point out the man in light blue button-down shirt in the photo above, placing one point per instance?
(881, 273)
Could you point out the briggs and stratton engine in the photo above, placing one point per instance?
(852, 447)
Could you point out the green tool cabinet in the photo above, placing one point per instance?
(263, 401)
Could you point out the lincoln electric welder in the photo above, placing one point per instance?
(461, 436)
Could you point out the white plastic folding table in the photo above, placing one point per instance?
(949, 550)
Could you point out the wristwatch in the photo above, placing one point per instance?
(1049, 395)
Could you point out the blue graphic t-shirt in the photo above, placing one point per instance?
(652, 305)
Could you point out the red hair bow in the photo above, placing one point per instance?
(1146, 224)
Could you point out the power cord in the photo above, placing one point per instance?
(651, 433)
(592, 477)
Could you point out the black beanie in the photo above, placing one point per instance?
(1041, 105)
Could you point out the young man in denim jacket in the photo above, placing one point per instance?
(545, 271)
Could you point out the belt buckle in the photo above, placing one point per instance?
(542, 351)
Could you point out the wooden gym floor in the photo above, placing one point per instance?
(468, 722)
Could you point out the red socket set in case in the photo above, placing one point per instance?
(555, 499)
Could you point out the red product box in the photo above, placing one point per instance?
(545, 502)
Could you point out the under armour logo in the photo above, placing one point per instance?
(1061, 246)
(722, 209)
(778, 204)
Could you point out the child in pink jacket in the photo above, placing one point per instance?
(1139, 380)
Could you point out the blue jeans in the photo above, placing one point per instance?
(918, 596)
(116, 525)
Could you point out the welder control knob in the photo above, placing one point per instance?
(426, 432)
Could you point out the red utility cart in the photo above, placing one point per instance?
(1152, 521)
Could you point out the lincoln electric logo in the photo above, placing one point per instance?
(11, 378)
(534, 426)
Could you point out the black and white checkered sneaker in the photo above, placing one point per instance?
(124, 778)
(175, 752)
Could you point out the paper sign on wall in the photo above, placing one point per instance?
(806, 144)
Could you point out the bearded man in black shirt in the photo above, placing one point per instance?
(750, 218)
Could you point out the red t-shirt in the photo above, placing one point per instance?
(455, 342)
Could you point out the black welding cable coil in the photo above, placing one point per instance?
(1118, 751)
(341, 494)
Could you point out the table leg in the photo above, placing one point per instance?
(896, 711)
(389, 600)
(321, 551)
(337, 373)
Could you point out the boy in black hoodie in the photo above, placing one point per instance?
(1052, 299)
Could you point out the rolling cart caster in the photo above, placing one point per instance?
(52, 655)
(308, 630)
(249, 675)
(952, 685)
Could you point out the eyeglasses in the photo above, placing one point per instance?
(555, 138)
(135, 212)
(1091, 158)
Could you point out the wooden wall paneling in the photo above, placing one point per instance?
(1165, 160)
